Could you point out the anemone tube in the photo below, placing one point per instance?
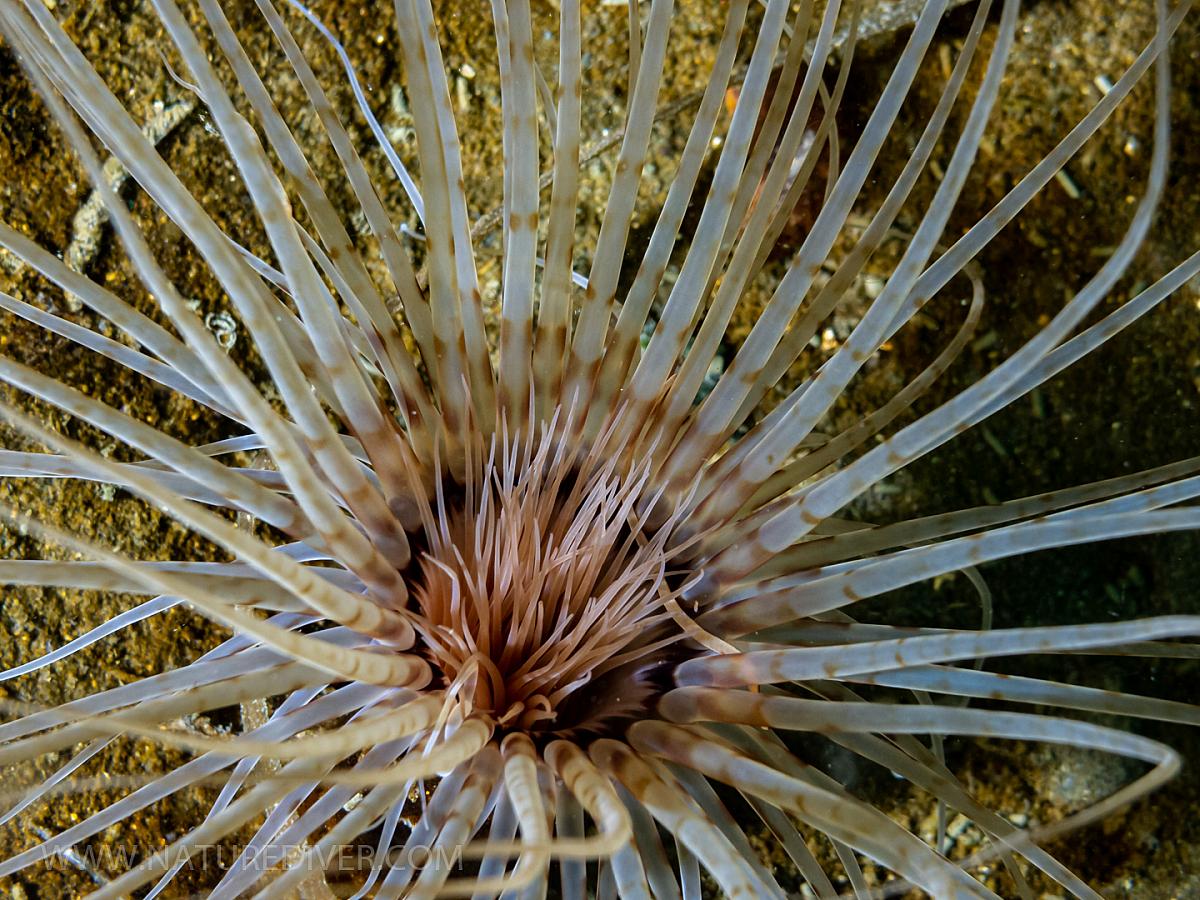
(533, 562)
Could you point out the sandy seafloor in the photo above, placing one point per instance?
(1130, 406)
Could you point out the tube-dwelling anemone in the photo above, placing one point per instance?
(549, 569)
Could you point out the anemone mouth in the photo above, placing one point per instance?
(543, 596)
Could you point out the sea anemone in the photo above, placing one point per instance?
(537, 601)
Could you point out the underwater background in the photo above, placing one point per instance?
(1131, 405)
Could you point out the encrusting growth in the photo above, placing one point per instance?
(542, 566)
